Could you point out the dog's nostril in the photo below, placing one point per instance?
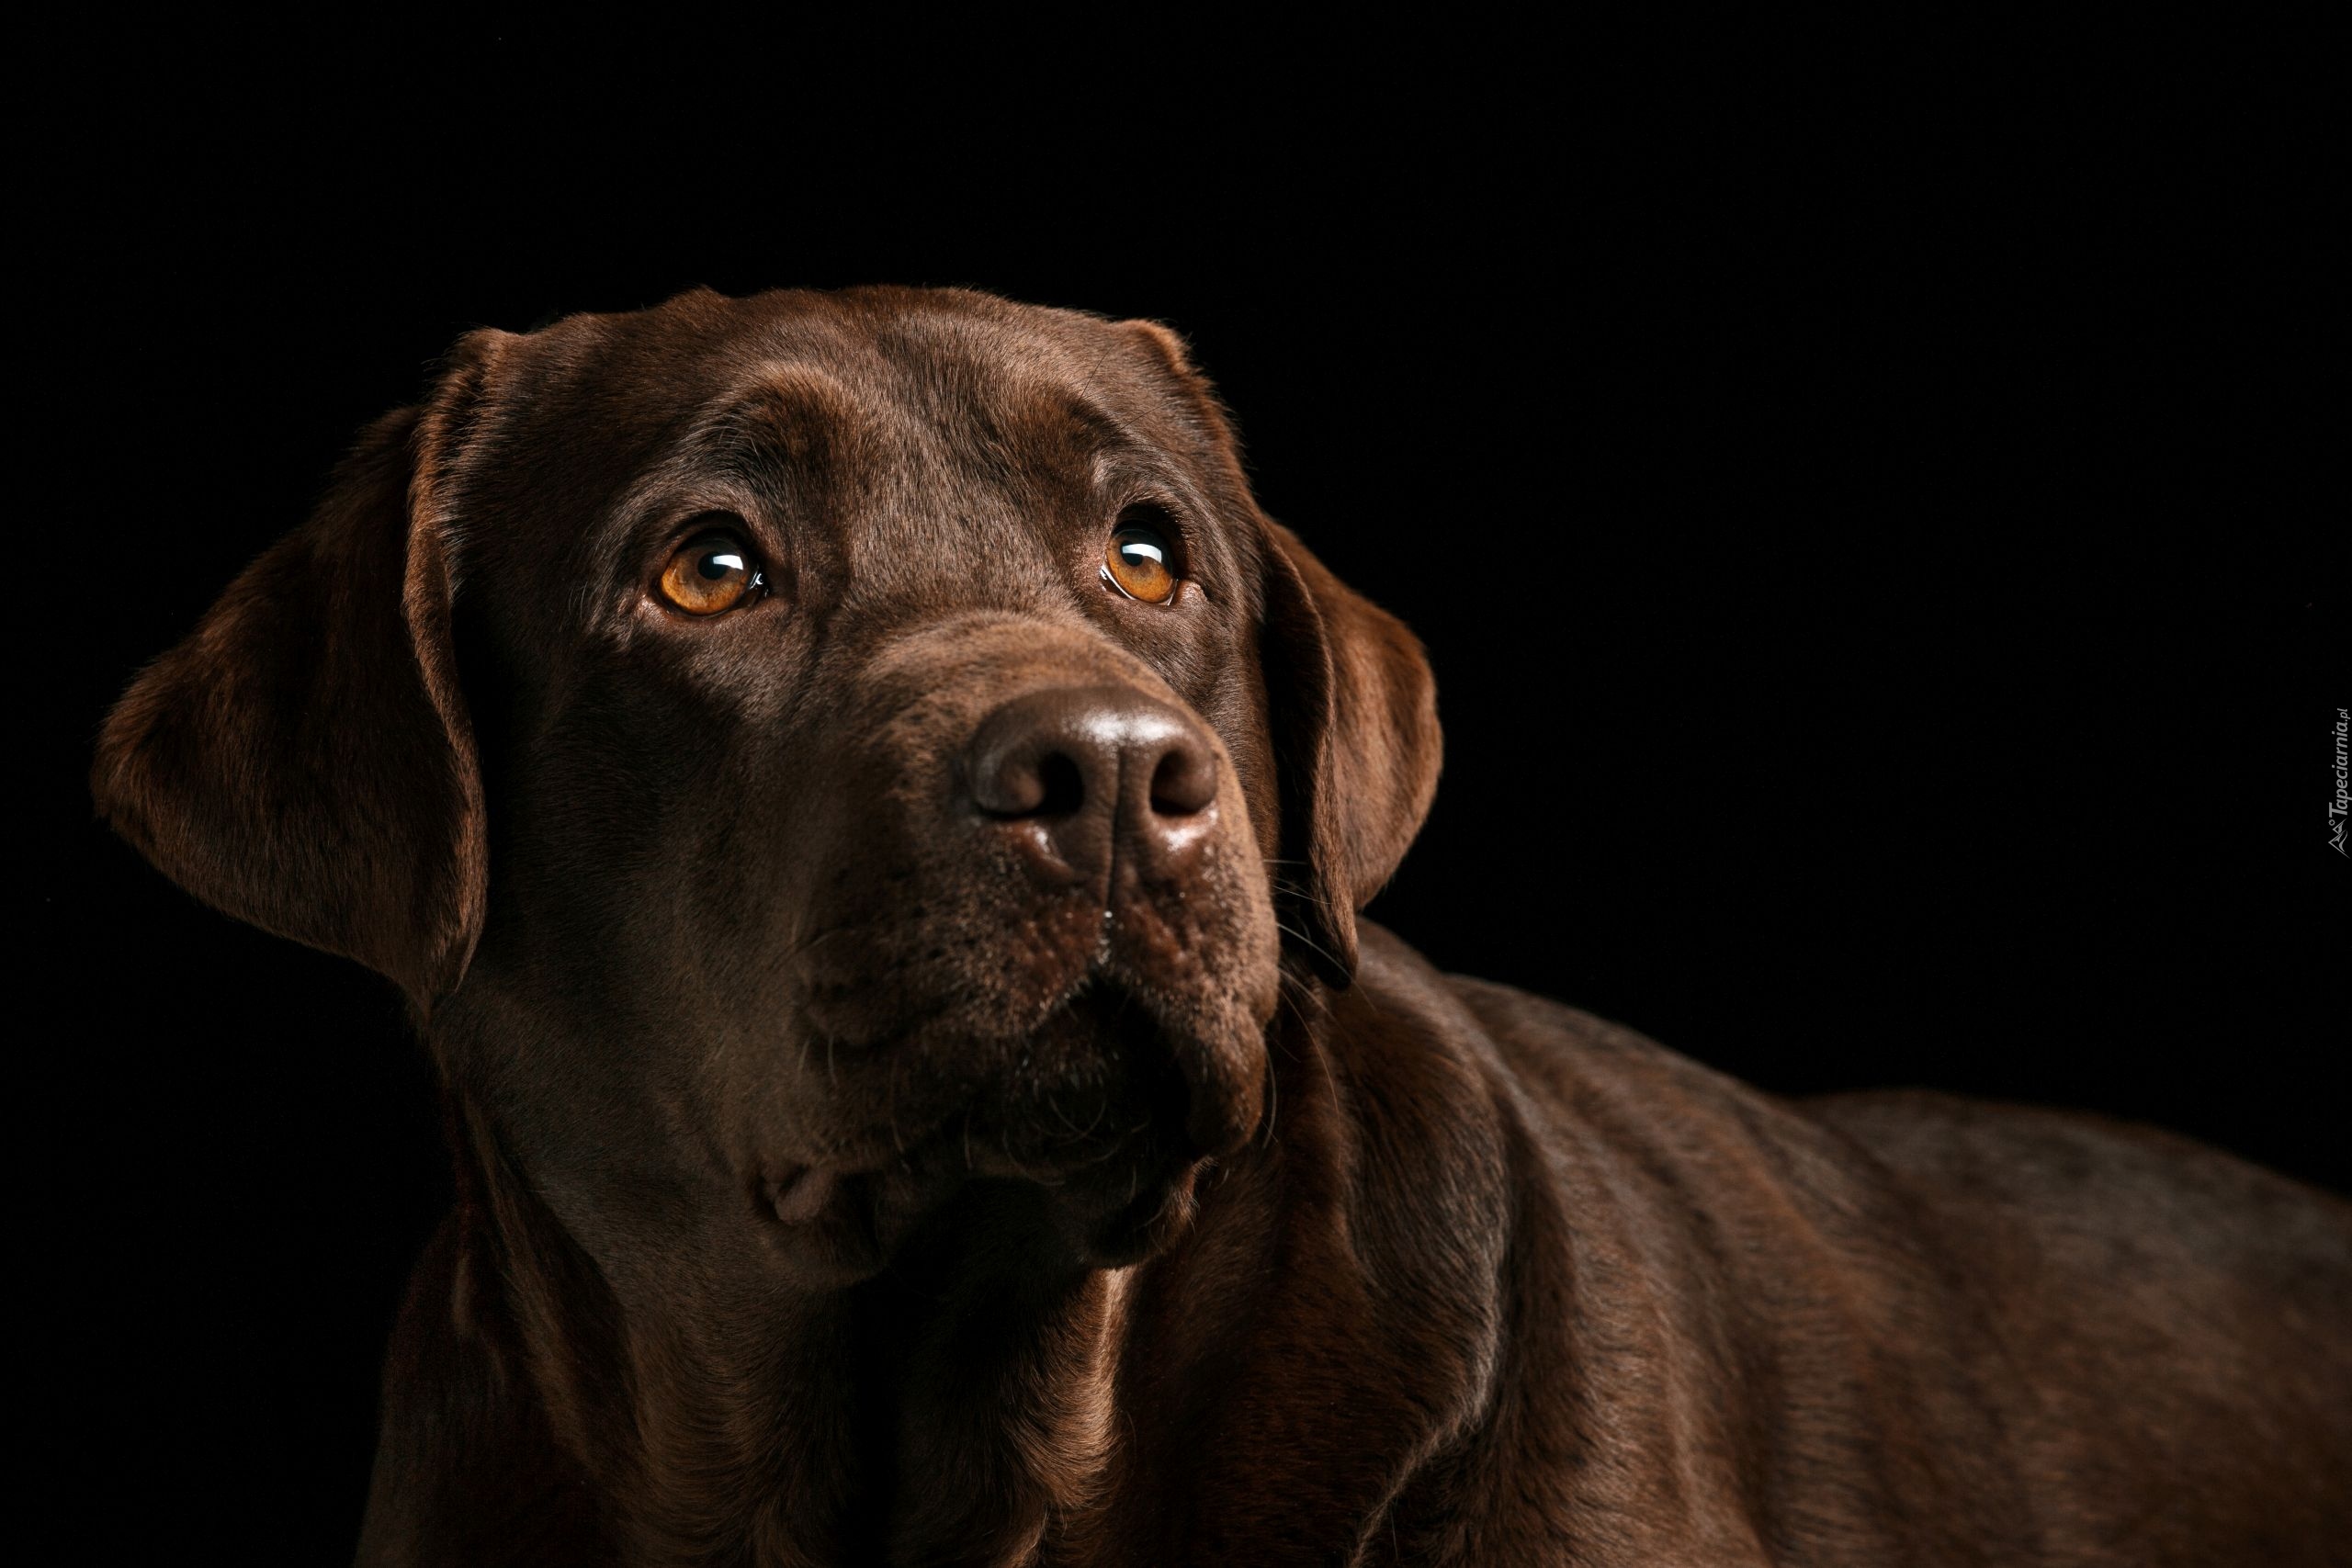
(1061, 787)
(1184, 781)
(1029, 781)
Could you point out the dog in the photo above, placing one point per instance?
(870, 818)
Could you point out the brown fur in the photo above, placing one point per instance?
(841, 1181)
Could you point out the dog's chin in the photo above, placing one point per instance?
(1081, 1145)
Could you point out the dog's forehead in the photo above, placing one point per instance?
(939, 370)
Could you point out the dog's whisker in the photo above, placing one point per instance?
(1054, 1106)
(897, 1141)
(1304, 940)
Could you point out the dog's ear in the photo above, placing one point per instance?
(1353, 710)
(1357, 745)
(304, 759)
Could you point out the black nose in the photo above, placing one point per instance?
(1077, 773)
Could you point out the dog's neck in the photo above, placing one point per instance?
(943, 1411)
(986, 1390)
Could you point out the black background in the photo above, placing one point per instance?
(1859, 501)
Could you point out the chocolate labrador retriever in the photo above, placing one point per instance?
(870, 818)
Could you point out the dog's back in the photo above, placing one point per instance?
(2175, 1324)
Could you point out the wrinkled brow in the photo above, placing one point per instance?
(803, 416)
(849, 445)
(814, 422)
(1021, 430)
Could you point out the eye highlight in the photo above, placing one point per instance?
(710, 574)
(1140, 562)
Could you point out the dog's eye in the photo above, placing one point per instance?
(1139, 561)
(712, 573)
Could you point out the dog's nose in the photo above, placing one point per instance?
(1074, 774)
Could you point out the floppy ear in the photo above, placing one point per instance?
(1357, 745)
(1353, 706)
(303, 760)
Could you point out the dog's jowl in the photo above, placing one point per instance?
(870, 816)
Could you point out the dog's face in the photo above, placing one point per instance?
(804, 755)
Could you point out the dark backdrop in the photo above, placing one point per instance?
(1858, 510)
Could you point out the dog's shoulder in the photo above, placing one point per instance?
(1620, 1090)
(1706, 1177)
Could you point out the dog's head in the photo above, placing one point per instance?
(805, 750)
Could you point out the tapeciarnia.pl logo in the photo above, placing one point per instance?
(2337, 808)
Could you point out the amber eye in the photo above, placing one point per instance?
(1138, 559)
(712, 573)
